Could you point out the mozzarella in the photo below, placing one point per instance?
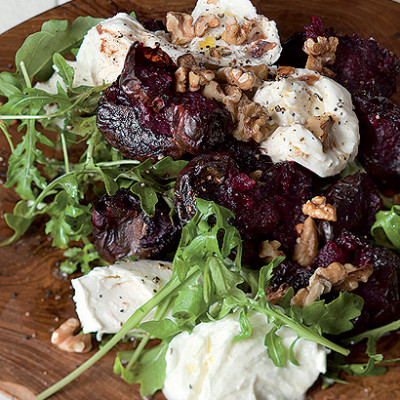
(207, 365)
(107, 296)
(234, 55)
(289, 102)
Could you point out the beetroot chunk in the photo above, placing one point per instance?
(363, 65)
(121, 229)
(356, 201)
(142, 116)
(380, 139)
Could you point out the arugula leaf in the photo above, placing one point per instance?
(385, 230)
(276, 351)
(55, 37)
(332, 318)
(245, 327)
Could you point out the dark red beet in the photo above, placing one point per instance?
(121, 229)
(269, 209)
(316, 28)
(356, 201)
(291, 273)
(363, 65)
(154, 25)
(379, 149)
(381, 292)
(330, 253)
(142, 117)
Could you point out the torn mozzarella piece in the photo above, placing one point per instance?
(107, 296)
(261, 46)
(206, 364)
(292, 102)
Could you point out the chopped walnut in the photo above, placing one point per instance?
(199, 77)
(334, 276)
(251, 120)
(260, 47)
(270, 250)
(190, 76)
(187, 61)
(63, 337)
(181, 79)
(215, 53)
(275, 296)
(261, 71)
(396, 199)
(317, 208)
(179, 25)
(320, 53)
(245, 80)
(321, 128)
(204, 22)
(236, 33)
(284, 72)
(256, 175)
(306, 249)
(213, 90)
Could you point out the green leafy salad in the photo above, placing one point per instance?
(209, 278)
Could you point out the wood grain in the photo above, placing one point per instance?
(34, 298)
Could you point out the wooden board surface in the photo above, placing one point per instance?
(34, 299)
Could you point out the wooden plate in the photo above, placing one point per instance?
(33, 298)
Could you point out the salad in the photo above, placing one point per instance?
(242, 191)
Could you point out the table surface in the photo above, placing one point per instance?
(28, 362)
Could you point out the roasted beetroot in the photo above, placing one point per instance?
(381, 292)
(142, 116)
(121, 229)
(267, 209)
(380, 139)
(291, 273)
(356, 201)
(363, 65)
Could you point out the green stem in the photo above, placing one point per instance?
(8, 136)
(119, 162)
(138, 350)
(301, 330)
(130, 324)
(65, 153)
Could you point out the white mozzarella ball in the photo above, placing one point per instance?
(290, 102)
(107, 296)
(207, 364)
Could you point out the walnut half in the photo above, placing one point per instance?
(318, 209)
(306, 249)
(320, 53)
(63, 337)
(179, 25)
(334, 276)
(269, 250)
(321, 128)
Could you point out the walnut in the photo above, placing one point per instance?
(199, 77)
(235, 33)
(233, 95)
(190, 76)
(251, 120)
(275, 296)
(63, 337)
(187, 61)
(204, 22)
(334, 276)
(181, 79)
(321, 128)
(179, 25)
(213, 90)
(260, 47)
(215, 53)
(317, 208)
(284, 72)
(245, 80)
(261, 71)
(396, 199)
(270, 250)
(320, 53)
(306, 249)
